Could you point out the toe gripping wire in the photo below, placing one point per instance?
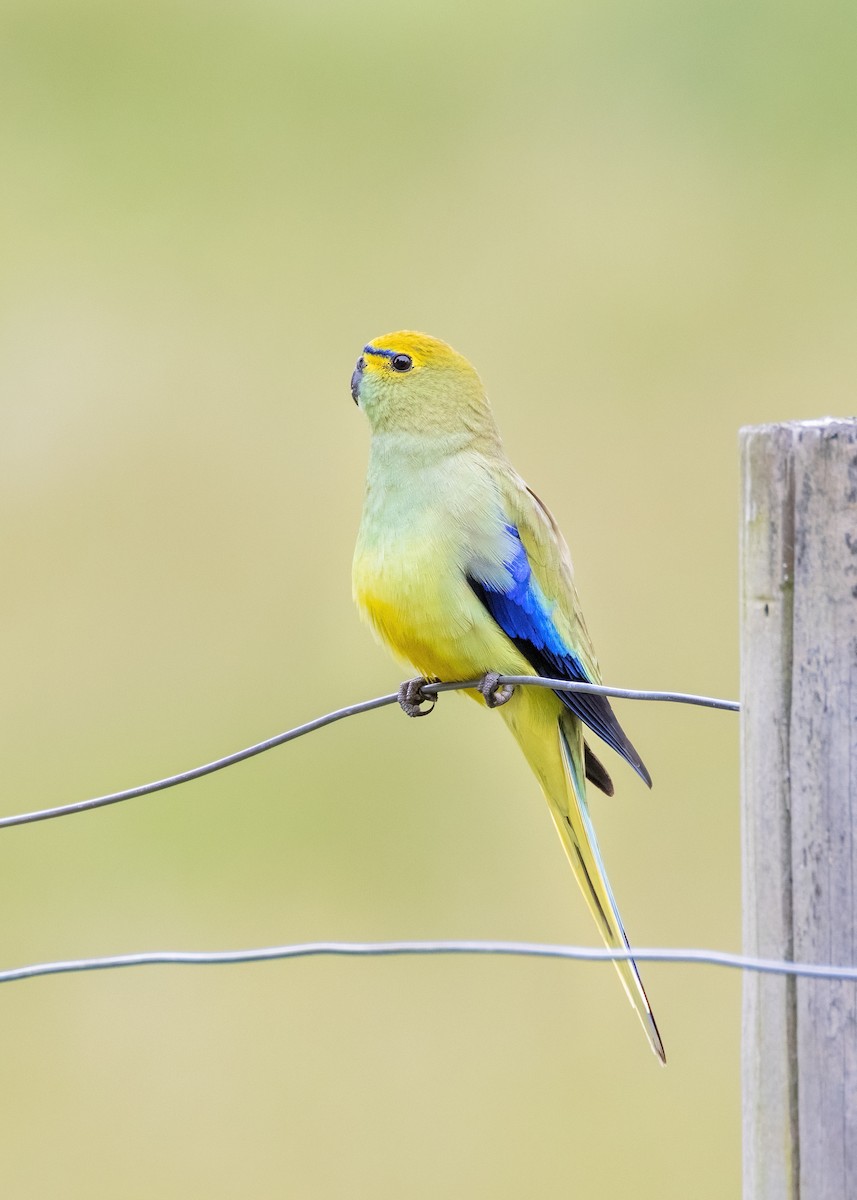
(413, 696)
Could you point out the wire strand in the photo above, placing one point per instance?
(351, 710)
(711, 958)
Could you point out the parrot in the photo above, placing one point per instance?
(463, 572)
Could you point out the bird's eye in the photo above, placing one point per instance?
(401, 362)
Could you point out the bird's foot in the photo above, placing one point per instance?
(412, 698)
(491, 693)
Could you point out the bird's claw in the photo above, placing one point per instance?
(492, 691)
(412, 698)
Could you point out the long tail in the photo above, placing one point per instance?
(571, 817)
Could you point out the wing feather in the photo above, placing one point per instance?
(535, 604)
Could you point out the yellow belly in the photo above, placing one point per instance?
(444, 633)
(420, 647)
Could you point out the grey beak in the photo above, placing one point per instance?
(355, 379)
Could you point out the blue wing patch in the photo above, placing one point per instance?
(525, 615)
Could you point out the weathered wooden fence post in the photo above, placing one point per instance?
(799, 784)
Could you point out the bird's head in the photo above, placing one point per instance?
(411, 383)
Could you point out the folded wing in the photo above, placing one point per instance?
(535, 604)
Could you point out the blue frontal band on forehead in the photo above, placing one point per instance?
(380, 353)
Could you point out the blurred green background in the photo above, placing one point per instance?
(638, 222)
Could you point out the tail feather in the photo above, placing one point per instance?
(578, 837)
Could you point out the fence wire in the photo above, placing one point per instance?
(697, 957)
(352, 710)
(711, 958)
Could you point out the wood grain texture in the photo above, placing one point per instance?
(799, 782)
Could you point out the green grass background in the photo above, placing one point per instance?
(638, 221)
